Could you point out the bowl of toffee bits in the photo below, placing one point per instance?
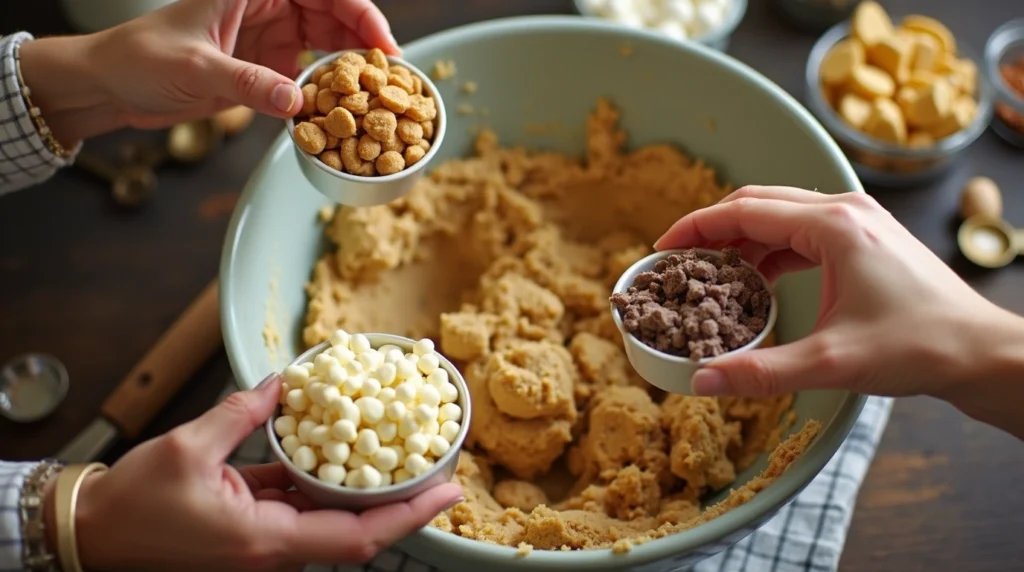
(679, 309)
(369, 125)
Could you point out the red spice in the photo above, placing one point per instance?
(1013, 75)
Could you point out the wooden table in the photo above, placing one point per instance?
(96, 287)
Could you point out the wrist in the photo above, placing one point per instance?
(66, 83)
(93, 539)
(987, 381)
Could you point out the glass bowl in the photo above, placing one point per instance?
(1004, 46)
(877, 162)
(816, 15)
(717, 39)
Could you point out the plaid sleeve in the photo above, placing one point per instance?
(12, 475)
(25, 160)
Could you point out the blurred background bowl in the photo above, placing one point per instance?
(716, 104)
(1004, 47)
(716, 38)
(880, 163)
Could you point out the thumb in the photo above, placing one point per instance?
(762, 372)
(222, 429)
(251, 85)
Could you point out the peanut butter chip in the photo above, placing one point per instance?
(310, 138)
(332, 159)
(840, 62)
(394, 98)
(357, 103)
(871, 24)
(346, 79)
(413, 154)
(409, 131)
(380, 124)
(309, 92)
(389, 163)
(340, 123)
(326, 100)
(368, 148)
(378, 59)
(372, 79)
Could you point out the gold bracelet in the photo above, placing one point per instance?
(35, 113)
(35, 555)
(69, 482)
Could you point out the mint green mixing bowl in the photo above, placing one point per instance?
(551, 70)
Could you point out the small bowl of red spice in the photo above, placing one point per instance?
(1004, 68)
(679, 309)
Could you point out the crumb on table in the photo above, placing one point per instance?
(444, 69)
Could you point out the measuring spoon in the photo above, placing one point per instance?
(130, 185)
(990, 242)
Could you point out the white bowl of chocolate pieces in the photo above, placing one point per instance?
(679, 309)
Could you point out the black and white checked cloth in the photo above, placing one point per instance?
(25, 160)
(807, 535)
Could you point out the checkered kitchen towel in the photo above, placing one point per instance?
(805, 536)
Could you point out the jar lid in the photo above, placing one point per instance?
(31, 387)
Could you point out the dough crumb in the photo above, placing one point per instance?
(469, 87)
(444, 69)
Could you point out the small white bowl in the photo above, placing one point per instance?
(665, 371)
(354, 190)
(348, 498)
(717, 39)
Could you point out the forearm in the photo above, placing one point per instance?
(989, 374)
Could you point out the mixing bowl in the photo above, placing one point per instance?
(550, 70)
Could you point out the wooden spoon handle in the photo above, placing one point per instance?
(189, 343)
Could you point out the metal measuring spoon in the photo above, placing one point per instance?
(130, 185)
(990, 242)
(31, 387)
(187, 142)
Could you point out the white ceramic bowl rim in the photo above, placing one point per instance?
(799, 474)
(1010, 34)
(944, 147)
(438, 465)
(732, 20)
(435, 144)
(626, 280)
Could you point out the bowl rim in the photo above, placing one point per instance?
(1006, 36)
(944, 147)
(630, 274)
(802, 471)
(441, 121)
(406, 343)
(727, 28)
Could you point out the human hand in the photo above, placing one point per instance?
(893, 319)
(173, 504)
(191, 59)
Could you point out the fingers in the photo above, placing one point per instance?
(255, 86)
(363, 18)
(342, 537)
(221, 429)
(770, 222)
(265, 476)
(804, 364)
(775, 264)
(792, 194)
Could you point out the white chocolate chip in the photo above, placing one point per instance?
(371, 409)
(370, 476)
(309, 367)
(331, 473)
(285, 425)
(296, 376)
(345, 430)
(438, 445)
(371, 387)
(401, 475)
(343, 355)
(304, 428)
(427, 364)
(395, 410)
(385, 459)
(322, 364)
(416, 464)
(386, 395)
(290, 444)
(425, 413)
(356, 461)
(405, 368)
(359, 344)
(336, 375)
(423, 347)
(430, 428)
(417, 443)
(449, 412)
(438, 378)
(353, 368)
(297, 400)
(367, 443)
(385, 479)
(449, 393)
(408, 426)
(315, 411)
(340, 339)
(450, 430)
(405, 392)
(319, 435)
(370, 360)
(304, 458)
(393, 356)
(336, 452)
(352, 385)
(328, 419)
(429, 395)
(387, 431)
(386, 373)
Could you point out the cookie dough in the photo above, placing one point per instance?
(506, 259)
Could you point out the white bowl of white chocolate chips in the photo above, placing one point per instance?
(369, 419)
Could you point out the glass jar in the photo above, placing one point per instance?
(1004, 70)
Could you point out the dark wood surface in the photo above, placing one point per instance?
(96, 286)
